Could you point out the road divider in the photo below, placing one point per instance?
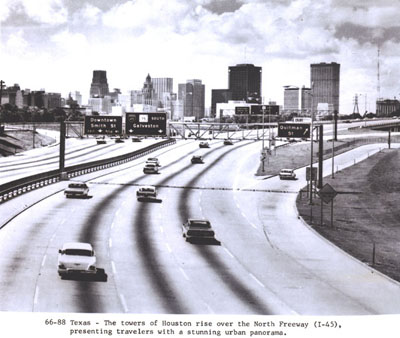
(15, 188)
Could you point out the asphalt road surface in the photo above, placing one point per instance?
(266, 261)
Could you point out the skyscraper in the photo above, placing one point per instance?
(99, 86)
(245, 82)
(291, 99)
(163, 89)
(325, 83)
(192, 94)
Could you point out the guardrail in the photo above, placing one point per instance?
(15, 188)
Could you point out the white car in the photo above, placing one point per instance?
(153, 160)
(197, 229)
(76, 258)
(146, 192)
(287, 174)
(76, 189)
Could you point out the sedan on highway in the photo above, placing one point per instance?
(150, 168)
(197, 159)
(77, 189)
(153, 160)
(287, 174)
(76, 258)
(197, 229)
(146, 192)
(228, 142)
(204, 145)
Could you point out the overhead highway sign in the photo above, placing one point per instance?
(103, 125)
(301, 130)
(146, 124)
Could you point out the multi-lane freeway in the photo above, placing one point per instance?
(268, 260)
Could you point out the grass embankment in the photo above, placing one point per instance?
(366, 218)
(22, 140)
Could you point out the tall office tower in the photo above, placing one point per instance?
(325, 82)
(245, 83)
(291, 99)
(163, 87)
(99, 86)
(148, 91)
(192, 94)
(305, 105)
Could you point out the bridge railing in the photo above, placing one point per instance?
(23, 185)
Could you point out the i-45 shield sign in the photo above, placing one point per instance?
(146, 124)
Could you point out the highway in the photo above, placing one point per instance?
(268, 260)
(77, 151)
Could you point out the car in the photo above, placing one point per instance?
(204, 145)
(136, 139)
(101, 140)
(76, 189)
(287, 174)
(153, 160)
(119, 140)
(150, 168)
(228, 142)
(76, 258)
(197, 159)
(197, 229)
(146, 192)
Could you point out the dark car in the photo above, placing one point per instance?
(228, 142)
(204, 145)
(197, 159)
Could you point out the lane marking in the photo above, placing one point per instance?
(110, 242)
(52, 237)
(117, 213)
(112, 225)
(44, 260)
(161, 229)
(114, 269)
(255, 278)
(209, 308)
(228, 252)
(184, 274)
(35, 301)
(122, 298)
(168, 247)
(253, 225)
(243, 214)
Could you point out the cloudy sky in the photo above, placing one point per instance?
(56, 44)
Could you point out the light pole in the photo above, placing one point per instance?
(262, 144)
(312, 141)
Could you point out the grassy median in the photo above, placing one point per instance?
(366, 215)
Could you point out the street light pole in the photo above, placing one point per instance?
(312, 141)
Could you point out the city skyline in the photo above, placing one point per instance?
(57, 45)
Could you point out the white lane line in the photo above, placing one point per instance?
(237, 204)
(117, 213)
(228, 252)
(113, 268)
(44, 260)
(243, 214)
(161, 229)
(184, 274)
(255, 278)
(168, 247)
(121, 296)
(52, 237)
(253, 225)
(35, 301)
(209, 308)
(112, 225)
(63, 221)
(110, 243)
